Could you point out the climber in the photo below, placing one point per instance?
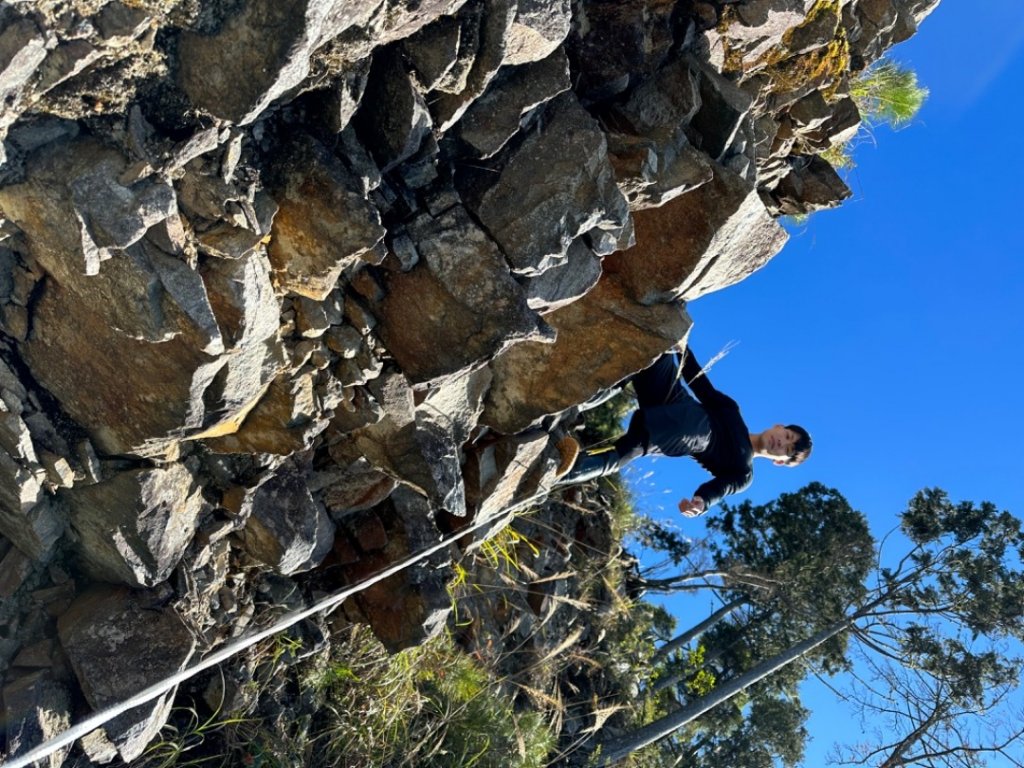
(671, 422)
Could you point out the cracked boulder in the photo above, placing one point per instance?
(457, 307)
(134, 527)
(286, 529)
(553, 187)
(324, 223)
(167, 368)
(119, 643)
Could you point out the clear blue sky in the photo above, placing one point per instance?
(893, 327)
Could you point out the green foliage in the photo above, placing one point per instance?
(501, 549)
(701, 681)
(885, 92)
(427, 706)
(604, 423)
(888, 92)
(186, 732)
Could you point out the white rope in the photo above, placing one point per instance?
(97, 719)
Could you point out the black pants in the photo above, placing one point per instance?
(658, 384)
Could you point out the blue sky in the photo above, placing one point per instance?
(893, 327)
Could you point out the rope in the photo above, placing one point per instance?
(97, 719)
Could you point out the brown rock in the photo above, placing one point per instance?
(702, 241)
(602, 338)
(281, 422)
(156, 320)
(457, 307)
(323, 225)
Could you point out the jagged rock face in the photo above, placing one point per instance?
(294, 284)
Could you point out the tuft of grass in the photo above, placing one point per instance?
(888, 92)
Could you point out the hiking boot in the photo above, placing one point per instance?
(568, 451)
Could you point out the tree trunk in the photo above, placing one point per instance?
(695, 631)
(617, 749)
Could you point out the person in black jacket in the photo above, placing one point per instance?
(671, 422)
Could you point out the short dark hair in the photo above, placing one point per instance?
(802, 448)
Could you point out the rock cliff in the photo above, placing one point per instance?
(291, 290)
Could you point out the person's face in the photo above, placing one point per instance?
(780, 443)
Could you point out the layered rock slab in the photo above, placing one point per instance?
(702, 241)
(156, 320)
(606, 333)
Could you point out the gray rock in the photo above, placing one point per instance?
(811, 112)
(565, 283)
(651, 174)
(722, 111)
(649, 150)
(493, 118)
(27, 515)
(36, 708)
(813, 33)
(357, 487)
(540, 26)
(761, 26)
(444, 420)
(457, 307)
(844, 124)
(484, 34)
(811, 185)
(119, 644)
(111, 216)
(118, 23)
(287, 530)
(260, 53)
(134, 527)
(65, 61)
(617, 43)
(22, 50)
(495, 473)
(421, 446)
(433, 53)
(555, 186)
(394, 119)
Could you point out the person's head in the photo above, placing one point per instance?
(786, 445)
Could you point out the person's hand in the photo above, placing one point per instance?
(692, 507)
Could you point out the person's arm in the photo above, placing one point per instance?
(713, 491)
(697, 381)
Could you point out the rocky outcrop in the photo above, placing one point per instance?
(289, 291)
